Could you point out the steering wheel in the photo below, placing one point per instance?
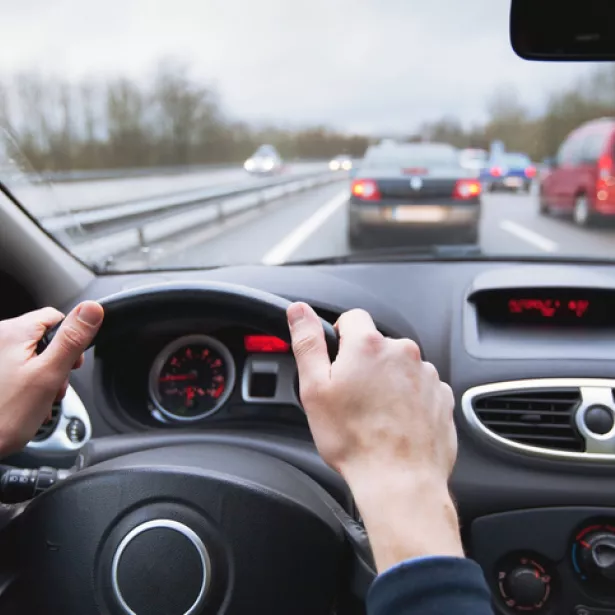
(187, 529)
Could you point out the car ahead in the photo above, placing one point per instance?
(509, 171)
(341, 163)
(581, 179)
(416, 192)
(265, 161)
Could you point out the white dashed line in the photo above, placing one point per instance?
(280, 252)
(543, 243)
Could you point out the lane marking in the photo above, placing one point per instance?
(543, 243)
(280, 252)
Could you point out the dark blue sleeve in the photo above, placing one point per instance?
(431, 586)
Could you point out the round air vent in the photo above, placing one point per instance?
(50, 424)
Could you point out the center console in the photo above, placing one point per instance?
(558, 561)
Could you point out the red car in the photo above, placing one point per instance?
(581, 180)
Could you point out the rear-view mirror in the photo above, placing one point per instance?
(557, 30)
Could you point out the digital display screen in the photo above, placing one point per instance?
(556, 307)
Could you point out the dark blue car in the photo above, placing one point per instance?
(510, 171)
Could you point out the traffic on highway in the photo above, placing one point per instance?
(307, 307)
(187, 183)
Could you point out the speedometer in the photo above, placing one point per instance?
(192, 378)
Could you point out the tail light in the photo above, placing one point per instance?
(365, 189)
(496, 172)
(530, 172)
(467, 189)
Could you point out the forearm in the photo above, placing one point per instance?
(406, 516)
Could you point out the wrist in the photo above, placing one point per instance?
(407, 515)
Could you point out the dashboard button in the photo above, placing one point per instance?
(75, 430)
(524, 584)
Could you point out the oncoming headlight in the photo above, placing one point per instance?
(334, 165)
(249, 165)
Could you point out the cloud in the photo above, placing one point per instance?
(372, 65)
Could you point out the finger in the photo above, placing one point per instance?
(31, 327)
(62, 392)
(79, 362)
(357, 329)
(309, 347)
(73, 337)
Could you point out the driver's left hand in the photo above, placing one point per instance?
(29, 383)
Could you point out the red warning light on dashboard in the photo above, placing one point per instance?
(265, 343)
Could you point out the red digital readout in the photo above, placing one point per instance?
(548, 308)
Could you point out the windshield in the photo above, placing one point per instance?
(202, 133)
(412, 156)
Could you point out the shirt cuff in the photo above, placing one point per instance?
(430, 585)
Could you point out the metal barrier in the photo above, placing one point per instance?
(97, 236)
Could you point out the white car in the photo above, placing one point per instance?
(341, 163)
(265, 161)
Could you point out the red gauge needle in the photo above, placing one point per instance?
(176, 377)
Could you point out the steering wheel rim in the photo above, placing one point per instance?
(266, 311)
(136, 476)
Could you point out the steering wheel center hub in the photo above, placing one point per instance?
(161, 567)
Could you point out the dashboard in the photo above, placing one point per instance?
(529, 350)
(197, 372)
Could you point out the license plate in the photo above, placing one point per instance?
(513, 182)
(418, 213)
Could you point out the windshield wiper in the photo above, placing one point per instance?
(400, 253)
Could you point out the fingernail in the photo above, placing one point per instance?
(90, 314)
(295, 313)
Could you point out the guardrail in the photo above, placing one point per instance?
(124, 172)
(100, 235)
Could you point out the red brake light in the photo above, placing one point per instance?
(496, 171)
(265, 343)
(467, 189)
(530, 172)
(365, 189)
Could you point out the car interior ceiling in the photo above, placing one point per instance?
(534, 481)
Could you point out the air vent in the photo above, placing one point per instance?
(540, 418)
(48, 427)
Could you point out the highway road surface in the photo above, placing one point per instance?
(313, 224)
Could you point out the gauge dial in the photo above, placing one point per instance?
(192, 378)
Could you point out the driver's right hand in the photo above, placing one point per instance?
(382, 417)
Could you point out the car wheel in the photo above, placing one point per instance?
(471, 236)
(544, 207)
(581, 213)
(356, 237)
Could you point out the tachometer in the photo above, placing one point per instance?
(192, 378)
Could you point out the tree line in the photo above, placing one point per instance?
(173, 119)
(170, 119)
(539, 135)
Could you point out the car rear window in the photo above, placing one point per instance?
(518, 160)
(594, 145)
(420, 156)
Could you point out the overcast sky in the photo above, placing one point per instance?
(360, 65)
